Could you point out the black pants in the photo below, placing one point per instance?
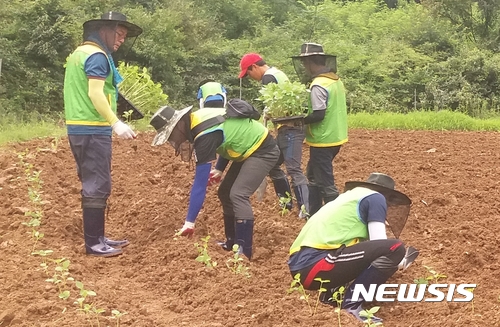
(345, 264)
(320, 169)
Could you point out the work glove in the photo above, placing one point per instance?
(123, 130)
(186, 230)
(214, 177)
(410, 256)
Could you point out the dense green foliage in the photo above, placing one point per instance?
(392, 55)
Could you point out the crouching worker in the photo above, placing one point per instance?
(234, 136)
(346, 241)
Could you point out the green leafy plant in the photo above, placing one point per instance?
(117, 315)
(338, 296)
(203, 255)
(320, 291)
(369, 314)
(61, 277)
(432, 276)
(283, 99)
(236, 263)
(296, 286)
(138, 87)
(283, 203)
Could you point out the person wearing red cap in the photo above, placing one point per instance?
(290, 138)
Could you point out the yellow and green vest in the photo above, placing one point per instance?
(211, 88)
(332, 130)
(78, 107)
(242, 136)
(278, 75)
(336, 223)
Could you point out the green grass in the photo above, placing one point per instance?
(422, 120)
(443, 120)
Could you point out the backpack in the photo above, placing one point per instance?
(237, 108)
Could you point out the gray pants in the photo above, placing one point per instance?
(92, 155)
(290, 140)
(242, 180)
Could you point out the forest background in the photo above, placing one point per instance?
(396, 56)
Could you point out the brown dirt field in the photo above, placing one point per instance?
(453, 222)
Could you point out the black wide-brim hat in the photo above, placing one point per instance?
(312, 49)
(117, 18)
(383, 184)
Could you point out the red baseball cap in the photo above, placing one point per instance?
(246, 61)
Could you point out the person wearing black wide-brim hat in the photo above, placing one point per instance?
(326, 122)
(345, 242)
(90, 103)
(235, 134)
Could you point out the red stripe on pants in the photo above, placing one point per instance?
(322, 265)
(395, 246)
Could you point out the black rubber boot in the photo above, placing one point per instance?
(369, 276)
(93, 230)
(230, 233)
(329, 193)
(110, 242)
(315, 199)
(244, 236)
(302, 196)
(282, 188)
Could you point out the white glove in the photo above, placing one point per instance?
(214, 177)
(123, 130)
(186, 230)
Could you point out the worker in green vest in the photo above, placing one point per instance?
(90, 97)
(234, 135)
(290, 139)
(326, 122)
(345, 242)
(211, 94)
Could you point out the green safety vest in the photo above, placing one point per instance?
(242, 136)
(211, 88)
(337, 222)
(332, 130)
(78, 107)
(278, 75)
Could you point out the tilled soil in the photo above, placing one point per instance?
(451, 177)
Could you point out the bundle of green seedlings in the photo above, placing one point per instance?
(285, 99)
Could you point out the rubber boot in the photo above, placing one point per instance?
(244, 236)
(93, 230)
(329, 193)
(229, 231)
(282, 188)
(315, 199)
(113, 243)
(302, 196)
(370, 275)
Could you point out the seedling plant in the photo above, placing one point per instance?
(369, 314)
(432, 276)
(284, 99)
(236, 263)
(283, 203)
(203, 255)
(296, 286)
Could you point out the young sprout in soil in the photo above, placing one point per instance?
(320, 290)
(117, 315)
(432, 276)
(471, 289)
(236, 263)
(338, 296)
(369, 316)
(203, 255)
(296, 286)
(283, 202)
